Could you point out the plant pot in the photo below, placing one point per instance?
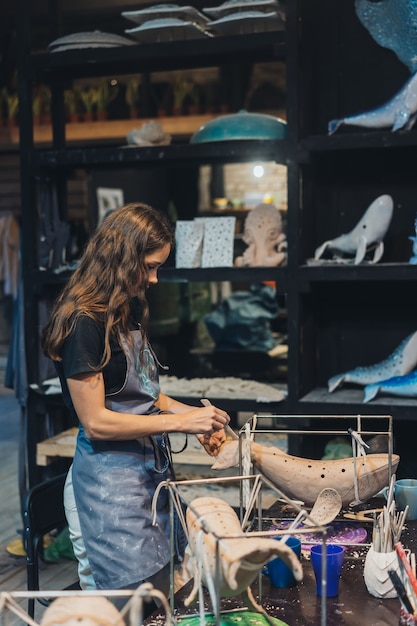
(88, 116)
(101, 115)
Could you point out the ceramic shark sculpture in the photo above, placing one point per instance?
(405, 386)
(392, 24)
(303, 479)
(240, 558)
(400, 362)
(368, 233)
(399, 112)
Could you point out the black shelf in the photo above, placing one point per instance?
(238, 151)
(45, 279)
(160, 56)
(351, 401)
(353, 140)
(233, 405)
(339, 272)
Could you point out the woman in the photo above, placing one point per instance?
(109, 375)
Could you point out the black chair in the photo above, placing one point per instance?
(43, 512)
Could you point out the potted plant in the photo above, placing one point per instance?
(37, 106)
(88, 96)
(132, 96)
(192, 98)
(11, 100)
(106, 93)
(181, 90)
(72, 104)
(45, 94)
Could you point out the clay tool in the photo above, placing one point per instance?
(401, 591)
(405, 564)
(227, 429)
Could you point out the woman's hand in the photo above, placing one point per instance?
(205, 420)
(212, 443)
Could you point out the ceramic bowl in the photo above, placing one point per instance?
(241, 125)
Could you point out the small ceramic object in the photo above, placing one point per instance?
(242, 125)
(240, 559)
(150, 134)
(367, 235)
(303, 479)
(405, 495)
(267, 244)
(326, 508)
(400, 362)
(375, 573)
(402, 386)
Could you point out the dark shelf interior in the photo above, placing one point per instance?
(237, 151)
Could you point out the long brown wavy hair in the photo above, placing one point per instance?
(111, 269)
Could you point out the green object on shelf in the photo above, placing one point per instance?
(243, 618)
(241, 125)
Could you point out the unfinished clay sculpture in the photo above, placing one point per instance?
(240, 558)
(367, 235)
(303, 479)
(267, 244)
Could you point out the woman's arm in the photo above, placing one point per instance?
(88, 397)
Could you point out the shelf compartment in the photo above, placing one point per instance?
(160, 56)
(358, 141)
(378, 272)
(239, 151)
(320, 399)
(109, 130)
(43, 279)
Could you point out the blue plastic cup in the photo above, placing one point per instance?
(335, 555)
(278, 571)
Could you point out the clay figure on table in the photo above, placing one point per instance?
(267, 244)
(98, 341)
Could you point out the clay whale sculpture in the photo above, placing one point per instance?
(303, 479)
(405, 386)
(240, 558)
(392, 24)
(400, 362)
(368, 233)
(399, 112)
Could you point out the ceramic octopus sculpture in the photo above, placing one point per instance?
(267, 244)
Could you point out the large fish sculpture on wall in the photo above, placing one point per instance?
(392, 24)
(403, 386)
(400, 362)
(240, 558)
(303, 479)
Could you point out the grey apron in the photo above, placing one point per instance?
(114, 483)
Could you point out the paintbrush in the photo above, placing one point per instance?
(401, 591)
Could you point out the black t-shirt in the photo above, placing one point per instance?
(82, 352)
